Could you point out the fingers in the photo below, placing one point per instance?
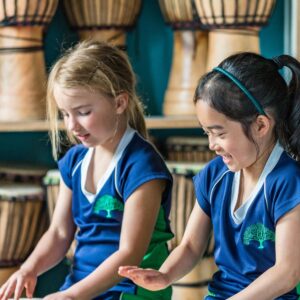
(146, 278)
(123, 271)
(30, 286)
(7, 290)
(18, 289)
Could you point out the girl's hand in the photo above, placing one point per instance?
(59, 296)
(17, 282)
(149, 279)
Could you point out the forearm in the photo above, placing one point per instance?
(273, 283)
(105, 276)
(181, 260)
(49, 251)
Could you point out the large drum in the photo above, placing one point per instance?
(194, 284)
(22, 66)
(22, 221)
(189, 56)
(234, 25)
(102, 20)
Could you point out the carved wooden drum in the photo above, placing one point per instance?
(22, 66)
(102, 20)
(194, 284)
(234, 25)
(189, 56)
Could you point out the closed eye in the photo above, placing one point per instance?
(84, 113)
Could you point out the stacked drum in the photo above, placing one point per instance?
(189, 56)
(233, 26)
(102, 20)
(186, 157)
(194, 284)
(22, 66)
(23, 217)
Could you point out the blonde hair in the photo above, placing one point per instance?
(95, 66)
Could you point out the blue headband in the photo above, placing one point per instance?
(243, 88)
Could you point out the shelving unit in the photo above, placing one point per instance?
(155, 122)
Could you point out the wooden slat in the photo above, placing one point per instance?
(152, 123)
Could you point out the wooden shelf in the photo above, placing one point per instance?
(155, 122)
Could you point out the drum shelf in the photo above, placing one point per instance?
(155, 122)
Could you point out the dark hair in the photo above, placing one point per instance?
(261, 77)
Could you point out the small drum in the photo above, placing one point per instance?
(188, 149)
(51, 182)
(234, 25)
(102, 20)
(194, 284)
(22, 66)
(22, 221)
(189, 56)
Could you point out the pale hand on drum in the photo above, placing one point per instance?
(16, 283)
(149, 279)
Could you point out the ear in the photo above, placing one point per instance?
(262, 125)
(121, 103)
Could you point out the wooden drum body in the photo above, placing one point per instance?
(22, 66)
(194, 284)
(102, 20)
(22, 221)
(234, 26)
(189, 56)
(51, 181)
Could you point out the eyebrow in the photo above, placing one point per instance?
(81, 106)
(218, 127)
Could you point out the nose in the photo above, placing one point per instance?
(212, 143)
(72, 123)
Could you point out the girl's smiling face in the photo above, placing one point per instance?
(226, 138)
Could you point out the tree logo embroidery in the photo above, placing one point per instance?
(258, 232)
(108, 203)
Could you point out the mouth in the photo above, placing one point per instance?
(82, 137)
(226, 157)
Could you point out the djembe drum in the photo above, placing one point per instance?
(233, 26)
(189, 56)
(22, 222)
(22, 66)
(194, 284)
(102, 20)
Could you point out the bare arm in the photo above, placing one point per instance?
(140, 215)
(49, 251)
(285, 274)
(182, 259)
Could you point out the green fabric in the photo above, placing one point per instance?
(154, 258)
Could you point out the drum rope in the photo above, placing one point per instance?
(20, 38)
(20, 49)
(35, 18)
